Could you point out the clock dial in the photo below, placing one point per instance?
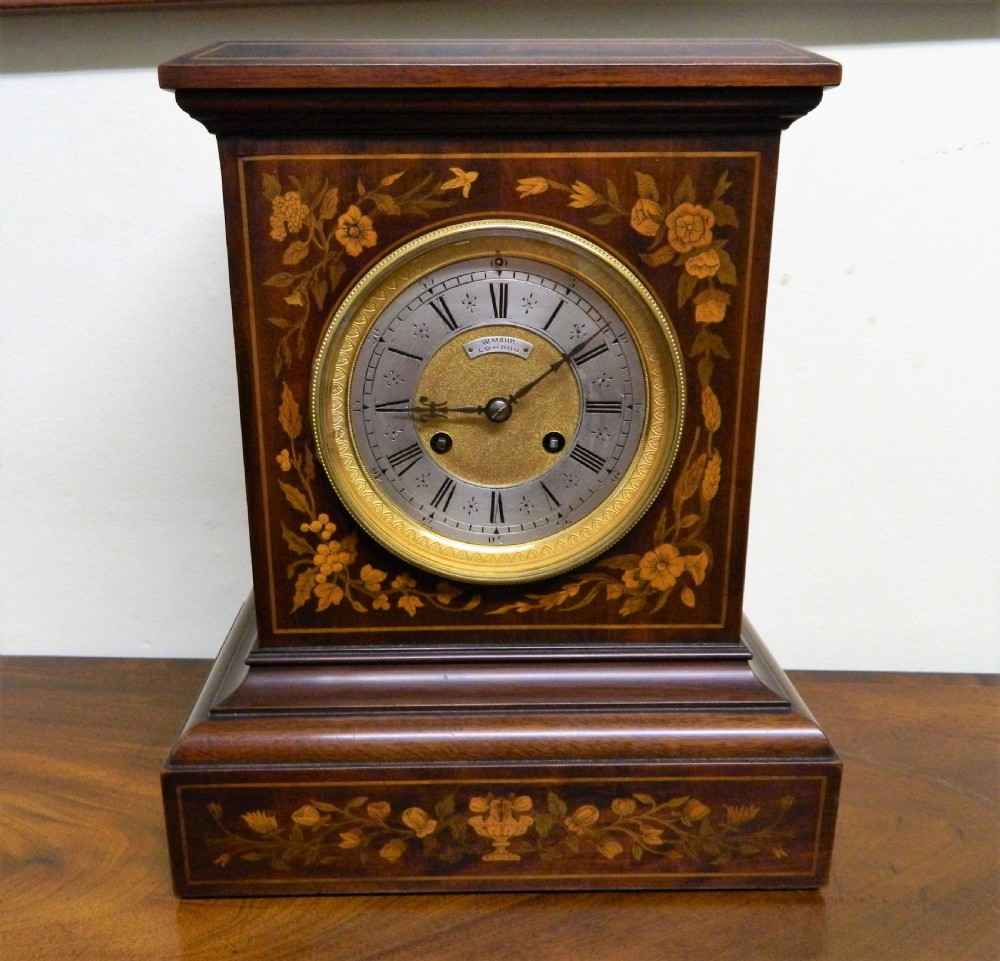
(498, 401)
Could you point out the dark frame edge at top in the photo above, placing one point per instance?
(498, 63)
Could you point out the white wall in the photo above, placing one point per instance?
(875, 513)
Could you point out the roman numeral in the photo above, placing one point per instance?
(496, 508)
(603, 407)
(404, 459)
(498, 294)
(443, 311)
(443, 496)
(590, 460)
(552, 499)
(580, 359)
(552, 316)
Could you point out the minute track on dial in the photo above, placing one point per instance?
(567, 451)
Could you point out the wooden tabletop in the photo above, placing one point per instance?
(85, 874)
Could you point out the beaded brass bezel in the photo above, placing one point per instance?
(642, 478)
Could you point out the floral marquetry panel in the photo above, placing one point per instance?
(683, 220)
(709, 828)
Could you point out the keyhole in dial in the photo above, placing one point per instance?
(441, 442)
(553, 442)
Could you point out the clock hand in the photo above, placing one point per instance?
(426, 408)
(497, 409)
(551, 369)
(434, 409)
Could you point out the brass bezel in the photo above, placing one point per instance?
(403, 535)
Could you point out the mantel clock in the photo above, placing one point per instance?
(498, 312)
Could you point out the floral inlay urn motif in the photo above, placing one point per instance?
(676, 831)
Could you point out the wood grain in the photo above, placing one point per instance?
(424, 64)
(85, 871)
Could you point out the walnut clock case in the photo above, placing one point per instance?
(498, 313)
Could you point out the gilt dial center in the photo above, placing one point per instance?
(495, 440)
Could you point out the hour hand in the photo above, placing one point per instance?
(431, 409)
(425, 409)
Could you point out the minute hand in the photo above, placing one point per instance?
(551, 369)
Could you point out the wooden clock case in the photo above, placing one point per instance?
(369, 727)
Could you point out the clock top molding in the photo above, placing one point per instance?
(653, 86)
(512, 63)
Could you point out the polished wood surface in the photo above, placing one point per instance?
(400, 64)
(85, 868)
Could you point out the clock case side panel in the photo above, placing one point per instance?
(247, 382)
(430, 630)
(748, 386)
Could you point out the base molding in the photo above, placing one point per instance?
(722, 780)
